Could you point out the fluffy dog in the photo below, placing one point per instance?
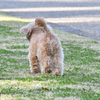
(45, 51)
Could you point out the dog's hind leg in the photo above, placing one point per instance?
(58, 69)
(34, 64)
(58, 62)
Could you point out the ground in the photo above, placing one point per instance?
(81, 79)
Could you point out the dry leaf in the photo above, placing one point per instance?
(45, 89)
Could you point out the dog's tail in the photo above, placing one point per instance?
(40, 22)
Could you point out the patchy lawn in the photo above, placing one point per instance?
(81, 79)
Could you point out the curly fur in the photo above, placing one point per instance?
(45, 51)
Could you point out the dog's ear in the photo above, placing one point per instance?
(40, 22)
(24, 31)
(27, 30)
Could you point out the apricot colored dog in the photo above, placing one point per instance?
(45, 51)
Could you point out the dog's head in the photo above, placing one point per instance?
(29, 29)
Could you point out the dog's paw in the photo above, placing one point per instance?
(32, 73)
(57, 73)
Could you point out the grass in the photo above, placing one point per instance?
(81, 79)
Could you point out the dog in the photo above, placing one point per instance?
(45, 50)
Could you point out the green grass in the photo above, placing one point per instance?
(81, 79)
(17, 47)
